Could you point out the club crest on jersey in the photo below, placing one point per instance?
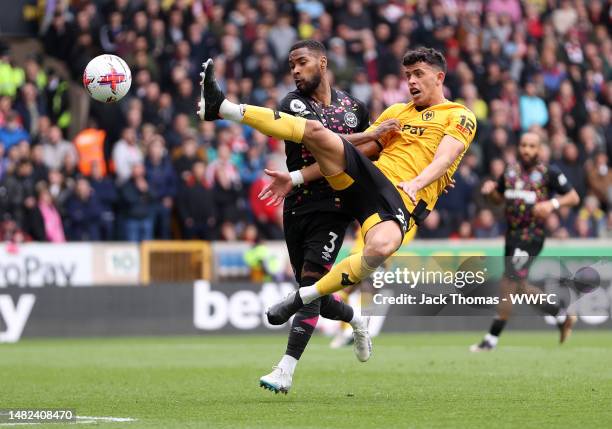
(297, 106)
(350, 119)
(428, 115)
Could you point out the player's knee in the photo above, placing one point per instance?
(311, 272)
(315, 132)
(381, 246)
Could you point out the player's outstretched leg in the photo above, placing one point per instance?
(325, 146)
(489, 342)
(344, 337)
(565, 327)
(504, 310)
(362, 345)
(332, 307)
(302, 327)
(565, 321)
(381, 241)
(211, 96)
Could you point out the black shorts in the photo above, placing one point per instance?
(518, 257)
(315, 237)
(368, 195)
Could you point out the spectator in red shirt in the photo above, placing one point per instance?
(267, 218)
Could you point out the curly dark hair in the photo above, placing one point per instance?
(425, 55)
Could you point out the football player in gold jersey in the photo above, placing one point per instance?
(419, 160)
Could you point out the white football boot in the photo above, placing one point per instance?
(363, 343)
(278, 380)
(484, 346)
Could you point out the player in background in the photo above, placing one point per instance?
(314, 219)
(419, 160)
(528, 188)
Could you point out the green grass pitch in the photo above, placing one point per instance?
(412, 381)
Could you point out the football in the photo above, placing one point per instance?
(107, 78)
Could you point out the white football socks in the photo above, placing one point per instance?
(491, 339)
(309, 294)
(231, 111)
(357, 322)
(288, 363)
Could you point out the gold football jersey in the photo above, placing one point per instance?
(406, 154)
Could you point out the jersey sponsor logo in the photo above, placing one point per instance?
(514, 194)
(350, 119)
(297, 106)
(562, 179)
(411, 129)
(428, 115)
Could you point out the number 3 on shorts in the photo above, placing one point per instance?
(328, 249)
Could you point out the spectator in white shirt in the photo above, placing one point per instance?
(126, 154)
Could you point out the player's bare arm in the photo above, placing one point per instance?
(448, 151)
(386, 128)
(543, 209)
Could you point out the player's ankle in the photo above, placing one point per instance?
(491, 339)
(288, 364)
(357, 321)
(231, 111)
(308, 294)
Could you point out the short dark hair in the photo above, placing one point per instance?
(425, 55)
(310, 44)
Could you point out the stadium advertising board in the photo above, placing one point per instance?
(116, 264)
(204, 308)
(38, 265)
(229, 264)
(235, 308)
(69, 264)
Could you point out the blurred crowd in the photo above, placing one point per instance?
(540, 65)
